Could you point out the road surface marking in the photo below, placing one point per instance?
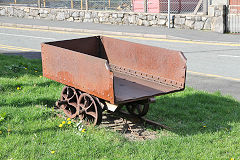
(130, 37)
(232, 56)
(19, 35)
(213, 75)
(17, 48)
(181, 41)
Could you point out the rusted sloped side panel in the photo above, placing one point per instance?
(169, 65)
(78, 70)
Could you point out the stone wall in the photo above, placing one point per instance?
(214, 21)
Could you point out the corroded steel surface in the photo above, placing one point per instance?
(89, 111)
(68, 103)
(84, 72)
(114, 70)
(156, 63)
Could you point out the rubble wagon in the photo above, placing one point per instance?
(105, 73)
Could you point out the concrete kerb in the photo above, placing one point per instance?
(24, 26)
(113, 33)
(56, 29)
(40, 27)
(155, 36)
(100, 32)
(9, 24)
(132, 34)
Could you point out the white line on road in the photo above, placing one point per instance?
(232, 56)
(19, 35)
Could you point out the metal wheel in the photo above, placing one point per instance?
(70, 95)
(138, 109)
(89, 109)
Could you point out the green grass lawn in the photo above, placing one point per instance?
(203, 125)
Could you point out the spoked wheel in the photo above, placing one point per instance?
(138, 109)
(89, 110)
(70, 96)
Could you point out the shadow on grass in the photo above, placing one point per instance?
(13, 66)
(29, 55)
(12, 87)
(31, 132)
(23, 102)
(192, 112)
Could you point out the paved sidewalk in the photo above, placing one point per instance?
(127, 30)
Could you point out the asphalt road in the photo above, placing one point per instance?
(173, 32)
(211, 66)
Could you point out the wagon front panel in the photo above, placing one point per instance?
(88, 73)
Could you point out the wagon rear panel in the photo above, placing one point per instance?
(89, 45)
(87, 73)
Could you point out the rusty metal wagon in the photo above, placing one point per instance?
(105, 73)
